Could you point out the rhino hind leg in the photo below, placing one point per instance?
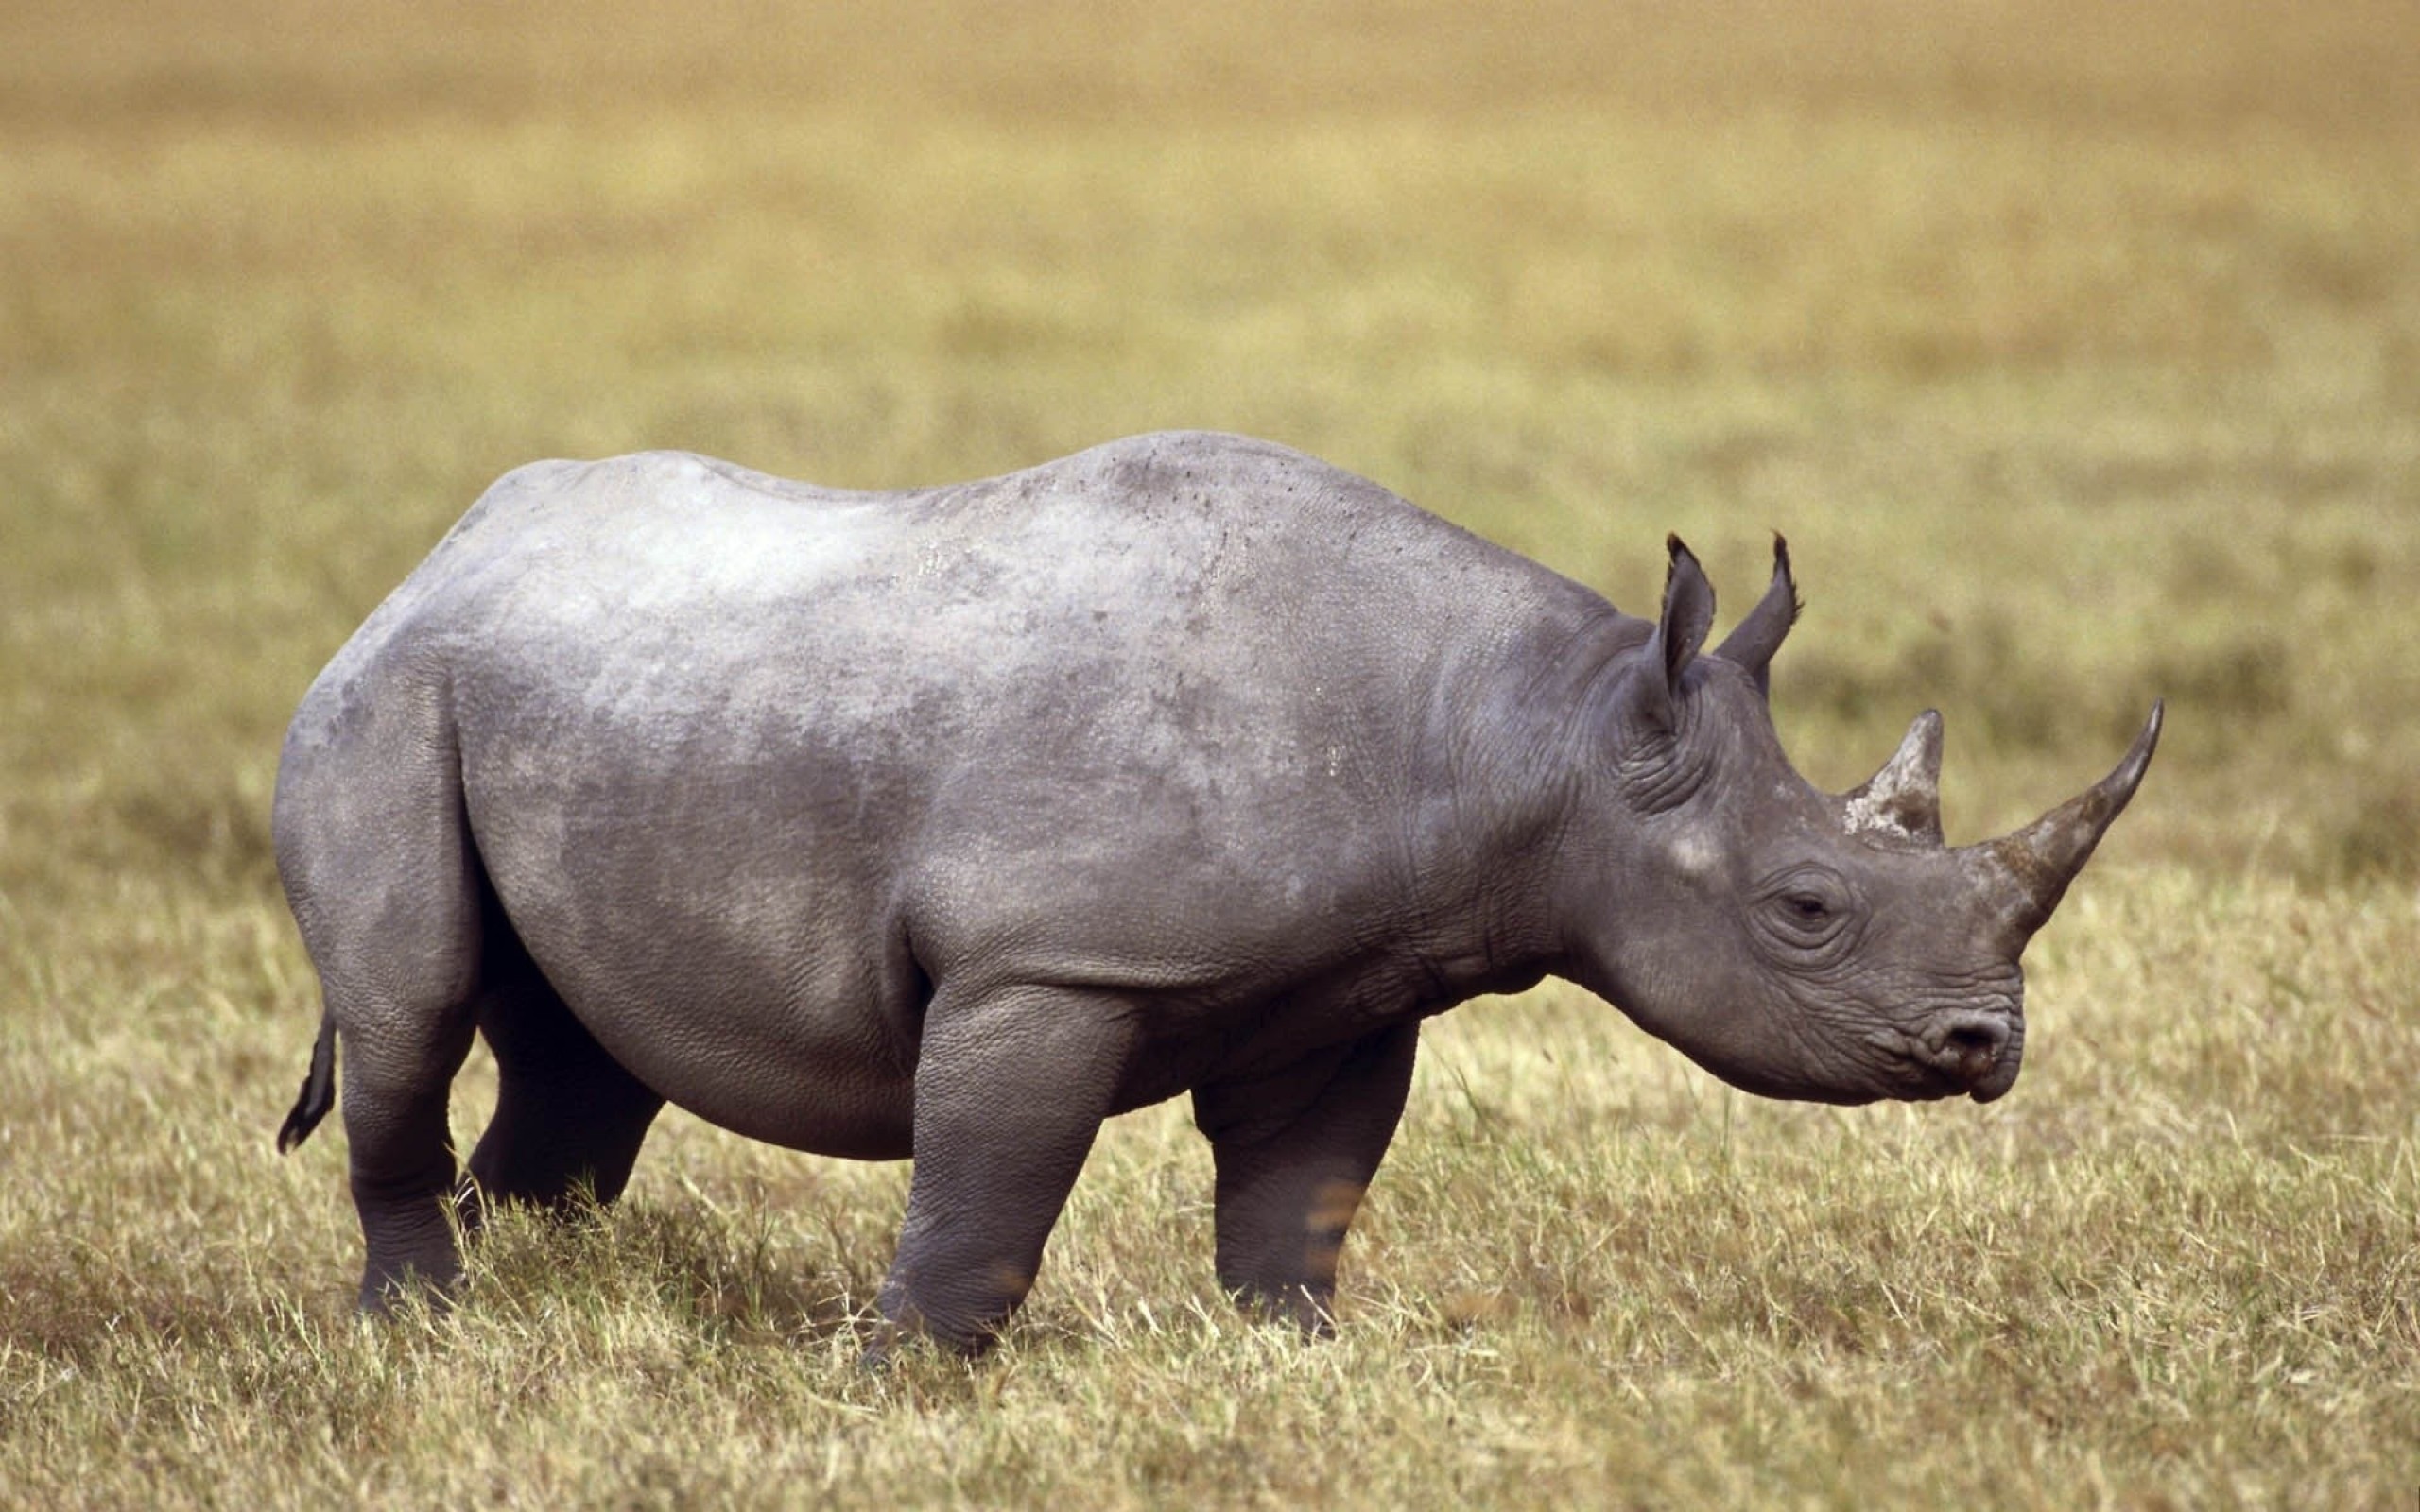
(569, 1120)
(403, 1175)
(1010, 1092)
(400, 986)
(378, 863)
(1295, 1151)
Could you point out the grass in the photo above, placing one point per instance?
(2076, 348)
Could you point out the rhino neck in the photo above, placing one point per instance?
(1618, 819)
(1511, 758)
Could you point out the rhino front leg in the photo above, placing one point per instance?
(1295, 1151)
(1010, 1092)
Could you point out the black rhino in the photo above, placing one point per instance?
(949, 822)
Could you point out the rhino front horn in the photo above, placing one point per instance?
(2035, 864)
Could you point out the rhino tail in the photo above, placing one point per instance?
(319, 1092)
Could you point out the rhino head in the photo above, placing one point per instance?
(1793, 943)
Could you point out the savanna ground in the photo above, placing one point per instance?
(2075, 347)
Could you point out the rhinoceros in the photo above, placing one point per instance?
(947, 823)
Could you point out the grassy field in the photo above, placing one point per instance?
(2075, 347)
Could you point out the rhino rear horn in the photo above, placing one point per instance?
(2034, 866)
(1752, 642)
(1904, 798)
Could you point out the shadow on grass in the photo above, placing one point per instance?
(727, 1275)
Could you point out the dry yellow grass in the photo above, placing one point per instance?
(2076, 348)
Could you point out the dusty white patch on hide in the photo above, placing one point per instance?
(1870, 813)
(1694, 853)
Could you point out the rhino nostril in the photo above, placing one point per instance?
(1968, 1044)
(1970, 1038)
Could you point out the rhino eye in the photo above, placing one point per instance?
(1806, 910)
(1808, 917)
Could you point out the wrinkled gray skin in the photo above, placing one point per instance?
(950, 822)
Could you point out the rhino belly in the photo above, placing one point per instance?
(745, 968)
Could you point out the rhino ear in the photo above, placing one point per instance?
(1680, 630)
(1752, 642)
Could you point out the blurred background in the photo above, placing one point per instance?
(2076, 347)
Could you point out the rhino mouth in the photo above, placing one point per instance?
(1995, 1084)
(1957, 1052)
